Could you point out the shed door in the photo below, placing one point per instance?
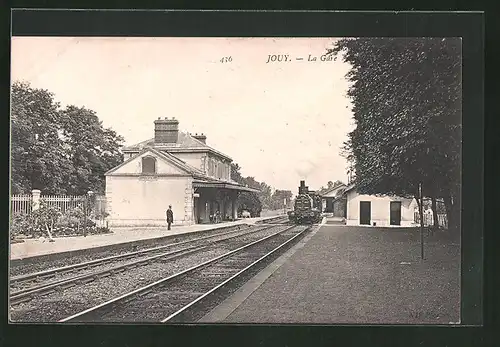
(365, 212)
(395, 213)
(329, 205)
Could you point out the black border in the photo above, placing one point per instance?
(469, 26)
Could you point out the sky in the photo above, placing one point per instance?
(281, 121)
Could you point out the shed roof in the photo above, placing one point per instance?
(329, 190)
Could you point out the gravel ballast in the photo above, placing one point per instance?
(117, 250)
(63, 303)
(161, 301)
(113, 263)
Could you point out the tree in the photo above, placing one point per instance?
(406, 96)
(92, 149)
(264, 198)
(250, 202)
(58, 151)
(278, 198)
(38, 158)
(246, 200)
(235, 173)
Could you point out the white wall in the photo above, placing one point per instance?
(144, 200)
(135, 166)
(212, 171)
(380, 209)
(193, 159)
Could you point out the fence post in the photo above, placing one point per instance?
(36, 199)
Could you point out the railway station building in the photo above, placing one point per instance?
(378, 210)
(334, 201)
(172, 168)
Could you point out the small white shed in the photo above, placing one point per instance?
(379, 210)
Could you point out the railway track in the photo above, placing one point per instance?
(275, 220)
(178, 297)
(25, 287)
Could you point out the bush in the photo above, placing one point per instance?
(24, 225)
(73, 230)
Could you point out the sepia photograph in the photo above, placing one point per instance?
(312, 180)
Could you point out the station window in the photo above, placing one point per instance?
(148, 165)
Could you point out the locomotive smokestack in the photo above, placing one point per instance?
(302, 187)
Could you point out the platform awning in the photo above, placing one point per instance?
(222, 185)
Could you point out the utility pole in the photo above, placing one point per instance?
(421, 220)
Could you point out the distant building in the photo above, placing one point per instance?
(380, 211)
(173, 168)
(334, 201)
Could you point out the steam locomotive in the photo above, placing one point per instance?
(307, 206)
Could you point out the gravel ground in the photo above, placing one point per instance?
(61, 304)
(45, 265)
(362, 275)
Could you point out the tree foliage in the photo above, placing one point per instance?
(59, 151)
(38, 159)
(265, 198)
(92, 149)
(278, 199)
(406, 96)
(247, 200)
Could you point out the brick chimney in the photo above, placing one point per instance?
(166, 130)
(202, 138)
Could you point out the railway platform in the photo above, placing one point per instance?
(350, 275)
(120, 235)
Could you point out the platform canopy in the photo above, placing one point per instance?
(222, 185)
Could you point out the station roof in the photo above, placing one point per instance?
(164, 156)
(185, 143)
(200, 179)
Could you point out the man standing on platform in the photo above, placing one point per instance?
(170, 216)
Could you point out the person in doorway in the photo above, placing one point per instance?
(170, 216)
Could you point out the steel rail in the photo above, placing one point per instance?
(100, 261)
(238, 274)
(272, 220)
(111, 303)
(27, 294)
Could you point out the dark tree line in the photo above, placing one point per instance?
(56, 150)
(406, 96)
(264, 199)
